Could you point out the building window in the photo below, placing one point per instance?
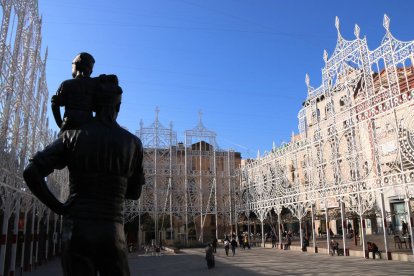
(343, 102)
(328, 110)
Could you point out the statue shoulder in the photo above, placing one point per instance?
(65, 83)
(131, 137)
(110, 78)
(73, 83)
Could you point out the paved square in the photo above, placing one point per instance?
(256, 261)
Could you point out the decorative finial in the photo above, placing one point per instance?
(307, 79)
(274, 145)
(357, 30)
(157, 111)
(258, 154)
(171, 125)
(200, 115)
(386, 23)
(325, 55)
(337, 23)
(141, 123)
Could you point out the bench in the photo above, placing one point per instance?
(399, 242)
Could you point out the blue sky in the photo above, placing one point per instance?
(241, 63)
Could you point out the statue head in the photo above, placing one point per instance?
(82, 65)
(108, 99)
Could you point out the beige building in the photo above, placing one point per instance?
(351, 165)
(188, 195)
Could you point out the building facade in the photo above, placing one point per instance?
(189, 187)
(352, 161)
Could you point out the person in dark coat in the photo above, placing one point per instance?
(233, 246)
(210, 256)
(215, 245)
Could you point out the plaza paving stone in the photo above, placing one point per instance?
(256, 261)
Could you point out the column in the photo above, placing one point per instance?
(54, 238)
(300, 232)
(15, 234)
(344, 226)
(315, 248)
(328, 233)
(31, 238)
(384, 222)
(3, 246)
(47, 236)
(24, 239)
(363, 232)
(279, 220)
(410, 222)
(263, 237)
(37, 240)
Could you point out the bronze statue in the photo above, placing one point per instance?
(76, 94)
(105, 168)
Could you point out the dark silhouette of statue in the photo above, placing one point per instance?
(105, 168)
(76, 94)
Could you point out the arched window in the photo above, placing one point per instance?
(343, 102)
(328, 110)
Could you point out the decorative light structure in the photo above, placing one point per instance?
(23, 131)
(355, 146)
(188, 184)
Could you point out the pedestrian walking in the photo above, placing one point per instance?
(404, 228)
(210, 256)
(215, 245)
(273, 237)
(233, 246)
(246, 242)
(240, 237)
(390, 229)
(227, 245)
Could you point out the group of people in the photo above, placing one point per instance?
(228, 244)
(212, 248)
(333, 247)
(404, 228)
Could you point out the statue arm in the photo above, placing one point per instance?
(40, 166)
(135, 184)
(137, 180)
(56, 104)
(36, 182)
(56, 113)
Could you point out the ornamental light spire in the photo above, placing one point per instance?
(386, 23)
(357, 30)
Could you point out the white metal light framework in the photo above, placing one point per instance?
(200, 175)
(23, 131)
(188, 185)
(355, 150)
(159, 166)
